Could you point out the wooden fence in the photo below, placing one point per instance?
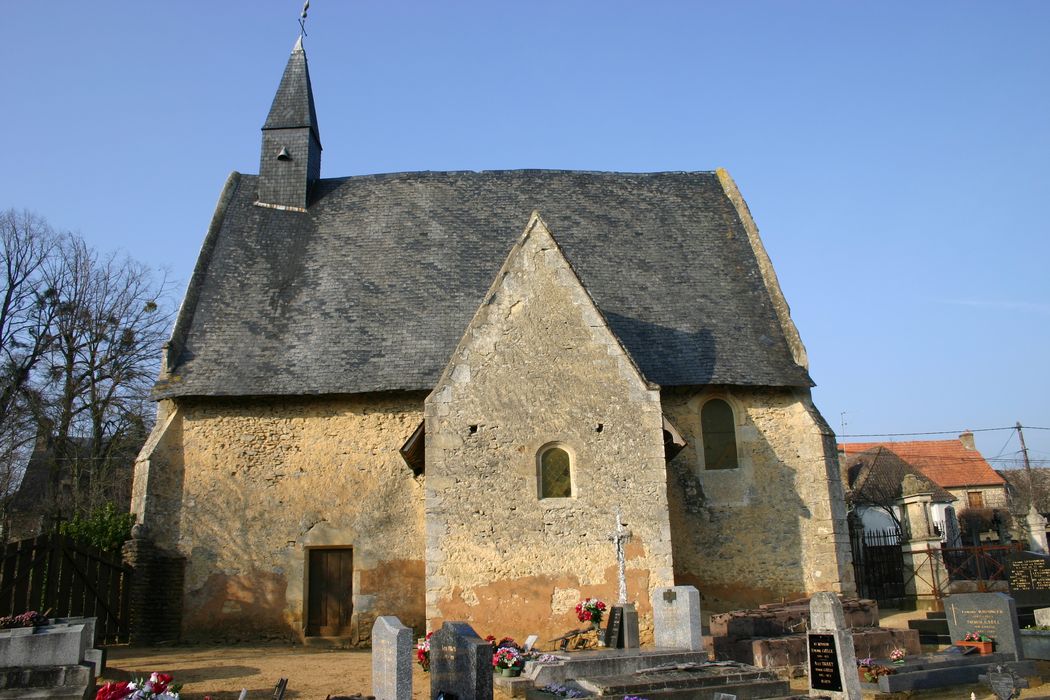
(61, 578)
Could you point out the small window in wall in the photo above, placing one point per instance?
(975, 499)
(555, 472)
(718, 429)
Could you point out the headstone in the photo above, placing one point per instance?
(952, 532)
(460, 664)
(1036, 531)
(391, 659)
(630, 637)
(991, 614)
(1042, 617)
(1029, 578)
(832, 661)
(530, 641)
(676, 618)
(622, 630)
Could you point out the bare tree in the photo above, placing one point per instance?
(27, 244)
(107, 326)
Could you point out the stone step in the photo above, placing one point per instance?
(671, 688)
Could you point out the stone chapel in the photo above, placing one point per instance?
(429, 394)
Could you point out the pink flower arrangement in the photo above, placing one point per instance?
(976, 637)
(507, 657)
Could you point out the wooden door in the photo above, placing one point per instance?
(329, 601)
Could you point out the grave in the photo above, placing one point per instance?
(391, 659)
(831, 659)
(676, 618)
(773, 635)
(1029, 579)
(991, 614)
(460, 664)
(56, 660)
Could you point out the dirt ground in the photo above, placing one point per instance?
(222, 672)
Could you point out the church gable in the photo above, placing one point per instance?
(539, 429)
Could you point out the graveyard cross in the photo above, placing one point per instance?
(620, 537)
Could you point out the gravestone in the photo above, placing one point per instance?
(391, 659)
(460, 664)
(1004, 684)
(676, 618)
(530, 641)
(1042, 617)
(829, 642)
(991, 614)
(622, 630)
(1029, 578)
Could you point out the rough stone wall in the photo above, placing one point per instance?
(242, 488)
(773, 528)
(536, 366)
(993, 496)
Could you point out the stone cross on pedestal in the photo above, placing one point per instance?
(620, 538)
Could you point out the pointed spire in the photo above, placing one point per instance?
(293, 105)
(291, 144)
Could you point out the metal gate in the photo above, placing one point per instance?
(878, 565)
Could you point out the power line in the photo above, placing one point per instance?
(942, 432)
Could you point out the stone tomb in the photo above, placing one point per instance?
(991, 614)
(832, 661)
(460, 664)
(391, 659)
(676, 618)
(56, 660)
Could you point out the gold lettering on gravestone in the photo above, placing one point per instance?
(824, 663)
(976, 619)
(1029, 575)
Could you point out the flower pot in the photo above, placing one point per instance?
(511, 672)
(982, 647)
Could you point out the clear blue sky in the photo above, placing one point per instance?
(895, 154)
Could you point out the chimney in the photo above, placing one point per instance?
(966, 438)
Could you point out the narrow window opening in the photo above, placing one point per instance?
(719, 434)
(555, 473)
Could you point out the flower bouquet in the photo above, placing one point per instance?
(591, 610)
(27, 619)
(897, 655)
(423, 652)
(157, 687)
(508, 661)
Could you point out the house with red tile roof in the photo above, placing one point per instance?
(954, 465)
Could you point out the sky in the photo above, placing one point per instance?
(894, 154)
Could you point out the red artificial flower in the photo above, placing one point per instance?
(161, 684)
(113, 691)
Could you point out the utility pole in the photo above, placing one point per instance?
(1027, 466)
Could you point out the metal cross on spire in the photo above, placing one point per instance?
(620, 538)
(302, 18)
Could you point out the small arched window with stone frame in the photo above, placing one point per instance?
(554, 466)
(718, 432)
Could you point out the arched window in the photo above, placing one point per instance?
(555, 472)
(719, 433)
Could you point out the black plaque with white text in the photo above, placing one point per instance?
(1029, 578)
(613, 629)
(824, 673)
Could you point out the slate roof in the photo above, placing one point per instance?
(877, 474)
(293, 104)
(947, 462)
(371, 289)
